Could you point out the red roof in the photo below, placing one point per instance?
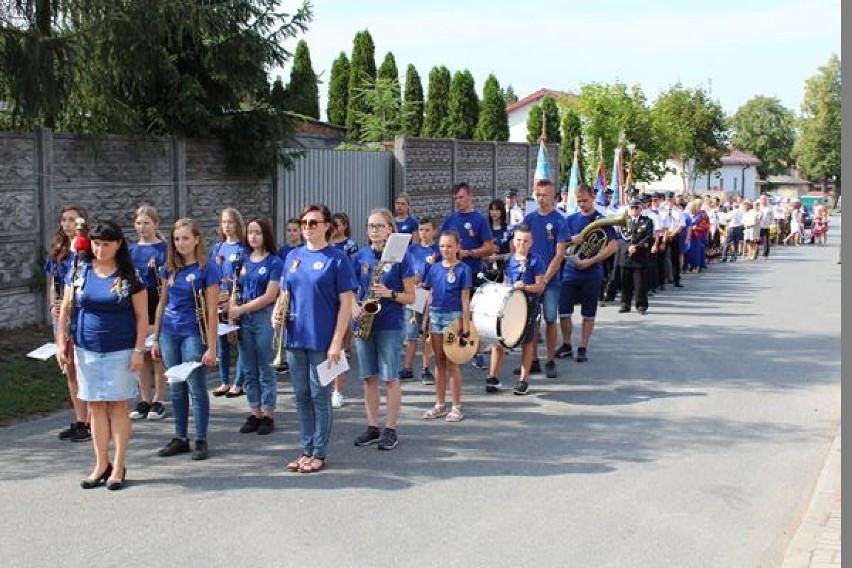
(537, 96)
(738, 157)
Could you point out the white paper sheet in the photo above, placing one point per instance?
(149, 342)
(226, 328)
(179, 373)
(530, 205)
(44, 352)
(420, 297)
(327, 374)
(395, 247)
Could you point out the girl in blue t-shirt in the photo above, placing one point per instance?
(320, 282)
(449, 282)
(404, 222)
(378, 353)
(111, 316)
(257, 288)
(60, 262)
(502, 237)
(148, 255)
(422, 255)
(185, 330)
(227, 254)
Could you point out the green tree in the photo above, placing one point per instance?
(509, 95)
(688, 124)
(278, 96)
(383, 121)
(571, 127)
(390, 73)
(463, 107)
(818, 148)
(493, 121)
(437, 103)
(550, 111)
(303, 91)
(362, 73)
(765, 128)
(338, 90)
(412, 105)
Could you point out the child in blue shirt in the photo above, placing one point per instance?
(422, 255)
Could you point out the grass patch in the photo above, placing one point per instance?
(29, 387)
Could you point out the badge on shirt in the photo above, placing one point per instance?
(295, 265)
(387, 268)
(234, 257)
(549, 229)
(318, 265)
(451, 276)
(190, 277)
(262, 271)
(469, 228)
(365, 268)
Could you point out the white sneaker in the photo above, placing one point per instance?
(337, 400)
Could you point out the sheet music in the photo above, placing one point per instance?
(180, 373)
(44, 352)
(327, 373)
(396, 247)
(420, 297)
(226, 328)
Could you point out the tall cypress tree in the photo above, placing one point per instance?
(412, 106)
(550, 111)
(463, 108)
(437, 102)
(493, 121)
(278, 95)
(338, 90)
(303, 90)
(389, 72)
(362, 74)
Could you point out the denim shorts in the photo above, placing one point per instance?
(550, 301)
(585, 292)
(105, 377)
(380, 355)
(439, 321)
(413, 332)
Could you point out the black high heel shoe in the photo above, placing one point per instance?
(116, 485)
(92, 483)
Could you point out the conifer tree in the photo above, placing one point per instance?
(493, 123)
(338, 90)
(463, 108)
(362, 73)
(437, 102)
(303, 92)
(412, 106)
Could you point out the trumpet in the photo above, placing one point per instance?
(280, 311)
(200, 310)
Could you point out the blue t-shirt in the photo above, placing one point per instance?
(224, 256)
(407, 225)
(59, 271)
(448, 285)
(104, 318)
(147, 260)
(392, 314)
(348, 246)
(502, 238)
(285, 249)
(256, 276)
(315, 280)
(525, 272)
(179, 316)
(575, 224)
(547, 231)
(418, 254)
(474, 231)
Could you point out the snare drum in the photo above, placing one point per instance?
(499, 314)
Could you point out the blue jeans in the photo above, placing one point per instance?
(255, 360)
(177, 350)
(380, 355)
(225, 363)
(313, 401)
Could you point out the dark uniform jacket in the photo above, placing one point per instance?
(639, 232)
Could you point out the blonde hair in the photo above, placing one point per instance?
(175, 260)
(386, 214)
(237, 218)
(150, 212)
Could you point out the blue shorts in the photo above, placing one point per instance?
(413, 332)
(105, 377)
(550, 301)
(439, 321)
(585, 292)
(379, 355)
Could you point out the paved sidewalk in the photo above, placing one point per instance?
(816, 543)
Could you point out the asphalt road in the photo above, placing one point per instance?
(691, 437)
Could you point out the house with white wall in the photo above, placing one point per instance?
(736, 176)
(519, 111)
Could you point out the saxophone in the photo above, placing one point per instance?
(594, 238)
(371, 306)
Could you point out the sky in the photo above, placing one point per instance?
(734, 49)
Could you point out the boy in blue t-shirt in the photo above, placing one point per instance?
(422, 255)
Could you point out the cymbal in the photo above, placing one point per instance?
(453, 348)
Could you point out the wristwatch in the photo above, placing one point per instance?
(393, 295)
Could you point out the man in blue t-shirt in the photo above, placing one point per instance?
(474, 230)
(582, 278)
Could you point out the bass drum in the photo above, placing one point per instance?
(499, 314)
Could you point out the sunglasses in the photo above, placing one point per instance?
(311, 223)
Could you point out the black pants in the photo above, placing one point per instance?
(613, 282)
(732, 241)
(652, 271)
(674, 257)
(634, 279)
(662, 261)
(608, 270)
(764, 238)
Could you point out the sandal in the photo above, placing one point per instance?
(221, 390)
(296, 464)
(312, 465)
(435, 412)
(455, 415)
(232, 393)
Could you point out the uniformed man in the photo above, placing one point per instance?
(676, 222)
(639, 239)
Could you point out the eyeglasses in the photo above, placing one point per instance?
(311, 223)
(377, 227)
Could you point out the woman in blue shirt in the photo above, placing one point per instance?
(227, 254)
(111, 315)
(320, 282)
(257, 286)
(378, 354)
(404, 222)
(178, 331)
(148, 255)
(60, 263)
(502, 238)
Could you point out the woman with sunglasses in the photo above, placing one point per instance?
(320, 282)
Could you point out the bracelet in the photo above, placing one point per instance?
(137, 350)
